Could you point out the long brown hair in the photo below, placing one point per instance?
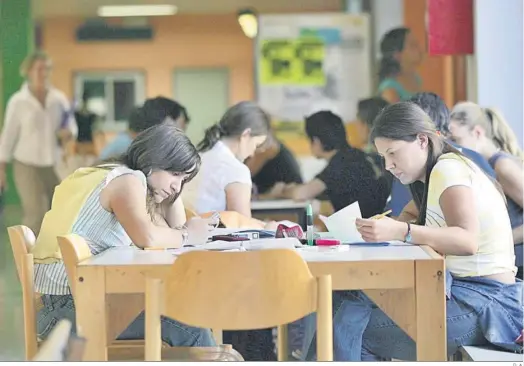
(405, 121)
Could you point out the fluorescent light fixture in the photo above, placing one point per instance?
(136, 10)
(248, 20)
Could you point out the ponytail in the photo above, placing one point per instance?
(503, 135)
(211, 137)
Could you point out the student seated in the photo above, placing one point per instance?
(154, 111)
(437, 110)
(461, 214)
(349, 176)
(132, 200)
(486, 131)
(367, 110)
(224, 181)
(273, 164)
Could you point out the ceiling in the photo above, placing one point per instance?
(88, 8)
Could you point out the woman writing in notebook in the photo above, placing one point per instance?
(461, 214)
(131, 200)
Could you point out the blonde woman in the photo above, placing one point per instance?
(486, 131)
(37, 123)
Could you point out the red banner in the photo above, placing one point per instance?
(450, 27)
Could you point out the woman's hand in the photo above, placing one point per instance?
(384, 229)
(198, 230)
(271, 226)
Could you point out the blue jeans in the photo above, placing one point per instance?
(479, 311)
(57, 307)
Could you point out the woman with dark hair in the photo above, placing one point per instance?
(224, 182)
(129, 200)
(461, 214)
(401, 55)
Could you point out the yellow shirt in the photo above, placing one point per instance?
(495, 252)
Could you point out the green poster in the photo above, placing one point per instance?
(292, 62)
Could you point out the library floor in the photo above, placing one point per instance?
(11, 316)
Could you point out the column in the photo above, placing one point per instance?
(498, 59)
(16, 41)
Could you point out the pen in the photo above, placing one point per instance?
(379, 216)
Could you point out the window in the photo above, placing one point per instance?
(112, 95)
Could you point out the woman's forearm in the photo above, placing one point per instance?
(445, 240)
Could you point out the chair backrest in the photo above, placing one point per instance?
(240, 290)
(74, 249)
(22, 242)
(57, 347)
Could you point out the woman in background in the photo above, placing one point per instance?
(367, 110)
(485, 131)
(462, 215)
(224, 182)
(38, 124)
(401, 55)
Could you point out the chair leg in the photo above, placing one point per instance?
(324, 319)
(282, 338)
(153, 330)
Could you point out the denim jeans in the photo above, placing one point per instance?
(479, 311)
(57, 307)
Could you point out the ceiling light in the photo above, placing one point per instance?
(136, 10)
(248, 20)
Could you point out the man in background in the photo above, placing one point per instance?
(153, 112)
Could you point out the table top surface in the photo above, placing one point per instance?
(278, 205)
(132, 256)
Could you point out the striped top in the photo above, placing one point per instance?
(495, 253)
(76, 209)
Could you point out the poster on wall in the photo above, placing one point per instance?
(312, 62)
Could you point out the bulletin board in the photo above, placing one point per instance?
(309, 62)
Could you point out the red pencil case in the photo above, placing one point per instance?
(326, 242)
(284, 231)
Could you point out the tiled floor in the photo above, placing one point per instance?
(11, 316)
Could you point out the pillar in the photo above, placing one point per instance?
(498, 59)
(16, 41)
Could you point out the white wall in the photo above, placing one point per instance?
(387, 14)
(499, 60)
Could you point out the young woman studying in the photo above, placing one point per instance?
(133, 199)
(224, 181)
(460, 213)
(485, 131)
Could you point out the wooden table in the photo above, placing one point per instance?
(281, 209)
(407, 282)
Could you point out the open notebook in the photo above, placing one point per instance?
(259, 244)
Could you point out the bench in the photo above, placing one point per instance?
(471, 353)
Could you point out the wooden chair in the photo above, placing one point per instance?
(240, 291)
(22, 241)
(58, 348)
(75, 249)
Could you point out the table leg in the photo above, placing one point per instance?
(430, 294)
(90, 304)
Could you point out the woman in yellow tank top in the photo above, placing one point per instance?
(131, 200)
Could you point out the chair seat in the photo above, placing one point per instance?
(486, 353)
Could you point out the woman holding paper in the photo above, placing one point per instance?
(460, 213)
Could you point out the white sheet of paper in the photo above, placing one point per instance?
(342, 224)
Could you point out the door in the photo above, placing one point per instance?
(205, 94)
